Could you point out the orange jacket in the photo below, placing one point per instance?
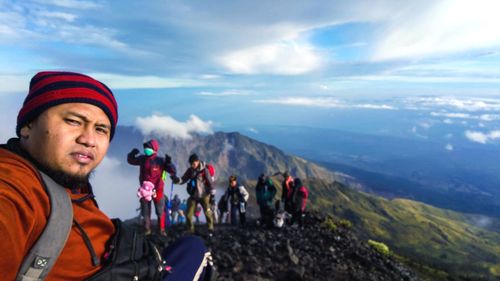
(24, 209)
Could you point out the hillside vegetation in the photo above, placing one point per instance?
(441, 238)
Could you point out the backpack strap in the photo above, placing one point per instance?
(44, 253)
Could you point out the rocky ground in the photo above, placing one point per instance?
(312, 252)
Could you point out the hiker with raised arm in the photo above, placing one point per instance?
(50, 225)
(152, 168)
(201, 191)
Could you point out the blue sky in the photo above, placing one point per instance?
(424, 69)
(266, 59)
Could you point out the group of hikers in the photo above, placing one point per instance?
(200, 186)
(51, 225)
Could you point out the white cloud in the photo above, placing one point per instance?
(225, 93)
(469, 104)
(73, 4)
(57, 15)
(425, 124)
(303, 101)
(483, 138)
(449, 147)
(168, 126)
(322, 102)
(115, 186)
(282, 58)
(253, 130)
(447, 121)
(436, 27)
(451, 115)
(374, 106)
(209, 76)
(115, 81)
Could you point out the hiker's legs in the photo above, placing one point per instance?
(243, 218)
(146, 213)
(215, 213)
(191, 206)
(174, 217)
(205, 204)
(234, 214)
(182, 217)
(160, 214)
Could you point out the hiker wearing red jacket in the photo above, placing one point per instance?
(299, 201)
(287, 191)
(151, 169)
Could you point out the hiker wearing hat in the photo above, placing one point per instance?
(237, 197)
(200, 189)
(50, 225)
(152, 168)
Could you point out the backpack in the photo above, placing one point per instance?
(191, 186)
(211, 171)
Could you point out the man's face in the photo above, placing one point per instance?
(233, 183)
(195, 164)
(71, 138)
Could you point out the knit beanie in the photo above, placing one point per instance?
(51, 88)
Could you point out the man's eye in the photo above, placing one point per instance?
(72, 121)
(101, 130)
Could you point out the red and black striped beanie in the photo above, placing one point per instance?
(50, 88)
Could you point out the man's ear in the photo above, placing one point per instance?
(25, 130)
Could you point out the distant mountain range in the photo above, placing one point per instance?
(230, 153)
(442, 244)
(464, 177)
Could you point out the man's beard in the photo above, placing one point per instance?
(67, 180)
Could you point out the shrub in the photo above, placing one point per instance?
(379, 247)
(345, 224)
(330, 224)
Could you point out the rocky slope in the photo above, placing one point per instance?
(314, 252)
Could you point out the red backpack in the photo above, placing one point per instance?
(211, 171)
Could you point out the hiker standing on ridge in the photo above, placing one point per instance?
(200, 189)
(237, 196)
(299, 201)
(265, 192)
(50, 225)
(176, 205)
(223, 210)
(286, 192)
(151, 169)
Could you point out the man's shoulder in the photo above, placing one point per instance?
(12, 161)
(17, 172)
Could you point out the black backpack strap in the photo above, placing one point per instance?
(44, 253)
